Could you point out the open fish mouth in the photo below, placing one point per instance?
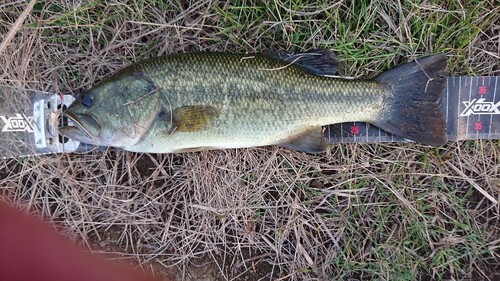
(85, 129)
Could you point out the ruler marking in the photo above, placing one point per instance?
(494, 99)
(478, 116)
(354, 124)
(447, 99)
(342, 132)
(367, 135)
(468, 117)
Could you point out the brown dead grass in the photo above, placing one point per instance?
(385, 211)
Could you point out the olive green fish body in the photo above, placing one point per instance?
(199, 101)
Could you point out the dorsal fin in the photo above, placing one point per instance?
(316, 62)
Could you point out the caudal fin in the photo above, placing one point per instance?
(412, 110)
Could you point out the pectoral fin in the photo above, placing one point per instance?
(194, 118)
(310, 141)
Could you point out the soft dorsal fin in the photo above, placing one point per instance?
(316, 62)
(310, 141)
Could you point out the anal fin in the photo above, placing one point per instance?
(310, 141)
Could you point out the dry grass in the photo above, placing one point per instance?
(371, 211)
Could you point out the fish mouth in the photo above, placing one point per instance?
(85, 129)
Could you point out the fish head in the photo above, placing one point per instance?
(116, 113)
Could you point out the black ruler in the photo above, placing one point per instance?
(471, 107)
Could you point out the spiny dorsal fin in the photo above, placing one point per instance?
(310, 141)
(316, 62)
(193, 118)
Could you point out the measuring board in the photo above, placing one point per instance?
(30, 120)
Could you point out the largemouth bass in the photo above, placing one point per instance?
(198, 101)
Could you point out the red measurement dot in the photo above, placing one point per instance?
(478, 126)
(482, 90)
(354, 130)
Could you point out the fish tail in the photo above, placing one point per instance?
(411, 109)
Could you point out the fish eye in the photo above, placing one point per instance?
(86, 100)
